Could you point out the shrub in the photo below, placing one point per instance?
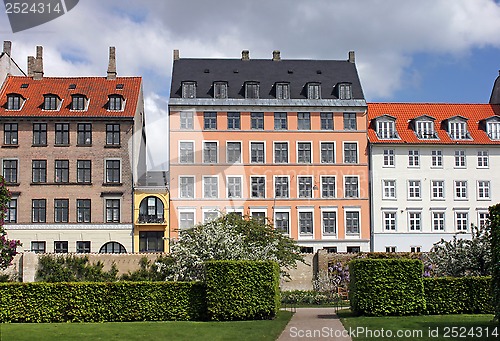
(386, 286)
(240, 290)
(308, 297)
(494, 221)
(68, 268)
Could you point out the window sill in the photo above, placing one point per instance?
(84, 145)
(10, 146)
(112, 146)
(62, 145)
(112, 184)
(12, 184)
(60, 183)
(39, 145)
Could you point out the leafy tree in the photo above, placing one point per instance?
(7, 247)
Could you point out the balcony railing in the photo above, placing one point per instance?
(148, 219)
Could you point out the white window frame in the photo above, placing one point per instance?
(287, 151)
(105, 170)
(413, 158)
(424, 129)
(460, 157)
(180, 186)
(216, 151)
(390, 219)
(344, 183)
(410, 219)
(457, 130)
(283, 210)
(210, 211)
(389, 158)
(437, 158)
(327, 209)
(186, 210)
(483, 159)
(352, 209)
(311, 151)
(416, 185)
(321, 152)
(305, 210)
(386, 130)
(265, 186)
(274, 186)
(457, 219)
(192, 142)
(216, 177)
(241, 186)
(482, 215)
(438, 182)
(493, 130)
(456, 184)
(387, 185)
(335, 189)
(343, 153)
(433, 220)
(250, 152)
(312, 186)
(189, 120)
(480, 184)
(241, 152)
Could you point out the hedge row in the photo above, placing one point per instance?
(494, 213)
(458, 295)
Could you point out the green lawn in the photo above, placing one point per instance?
(143, 331)
(448, 327)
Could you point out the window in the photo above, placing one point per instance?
(151, 241)
(39, 134)
(186, 219)
(414, 221)
(482, 218)
(151, 211)
(39, 210)
(61, 210)
(437, 189)
(112, 210)
(304, 152)
(113, 171)
(210, 187)
(77, 102)
(350, 152)
(350, 121)
(483, 190)
(280, 152)
(233, 121)
(282, 222)
(186, 152)
(414, 189)
(210, 216)
(84, 134)
(306, 223)
(234, 187)
(280, 121)
(328, 189)
(84, 171)
(390, 249)
(326, 120)
(83, 210)
(353, 249)
(186, 187)
(258, 186)
(251, 90)
(303, 121)
(438, 221)
(186, 118)
(415, 249)
(60, 247)
(390, 221)
(344, 91)
(50, 102)
(112, 247)
(259, 216)
(386, 129)
(389, 189)
(112, 134)
(458, 130)
(209, 152)
(210, 120)
(82, 247)
(388, 157)
(61, 171)
(305, 186)
(281, 187)
(329, 219)
(10, 134)
(482, 159)
(233, 152)
(413, 158)
(220, 90)
(327, 152)
(38, 247)
(351, 187)
(282, 90)
(493, 130)
(39, 171)
(11, 214)
(437, 158)
(460, 189)
(257, 120)
(459, 158)
(188, 89)
(313, 91)
(352, 222)
(14, 102)
(461, 221)
(62, 134)
(425, 130)
(115, 103)
(257, 152)
(10, 171)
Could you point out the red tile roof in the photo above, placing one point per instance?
(406, 112)
(96, 89)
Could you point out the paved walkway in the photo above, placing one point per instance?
(314, 324)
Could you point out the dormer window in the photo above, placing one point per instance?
(424, 128)
(251, 90)
(14, 101)
(115, 103)
(50, 102)
(282, 90)
(188, 89)
(344, 90)
(313, 91)
(493, 128)
(457, 128)
(386, 127)
(220, 89)
(78, 102)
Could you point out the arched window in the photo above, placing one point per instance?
(151, 210)
(112, 247)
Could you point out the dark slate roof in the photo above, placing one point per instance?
(266, 71)
(495, 93)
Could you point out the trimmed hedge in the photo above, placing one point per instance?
(458, 295)
(102, 302)
(494, 213)
(386, 287)
(242, 290)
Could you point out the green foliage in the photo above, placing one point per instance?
(240, 290)
(101, 302)
(149, 271)
(494, 220)
(8, 248)
(386, 286)
(308, 297)
(69, 268)
(460, 295)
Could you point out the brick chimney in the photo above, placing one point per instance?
(38, 67)
(352, 58)
(276, 55)
(176, 55)
(112, 63)
(31, 66)
(7, 47)
(245, 55)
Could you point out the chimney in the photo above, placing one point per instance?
(112, 63)
(176, 55)
(245, 55)
(38, 65)
(31, 66)
(352, 58)
(276, 55)
(7, 47)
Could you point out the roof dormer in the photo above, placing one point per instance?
(116, 102)
(424, 127)
(51, 102)
(15, 101)
(220, 89)
(79, 102)
(385, 127)
(492, 126)
(457, 128)
(344, 90)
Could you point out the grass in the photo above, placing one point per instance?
(425, 327)
(140, 331)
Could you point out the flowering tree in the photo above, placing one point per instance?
(7, 247)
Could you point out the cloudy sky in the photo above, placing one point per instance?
(418, 51)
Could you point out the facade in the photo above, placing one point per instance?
(70, 151)
(7, 65)
(434, 169)
(282, 139)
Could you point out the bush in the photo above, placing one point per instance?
(386, 286)
(241, 290)
(308, 297)
(460, 295)
(68, 268)
(494, 221)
